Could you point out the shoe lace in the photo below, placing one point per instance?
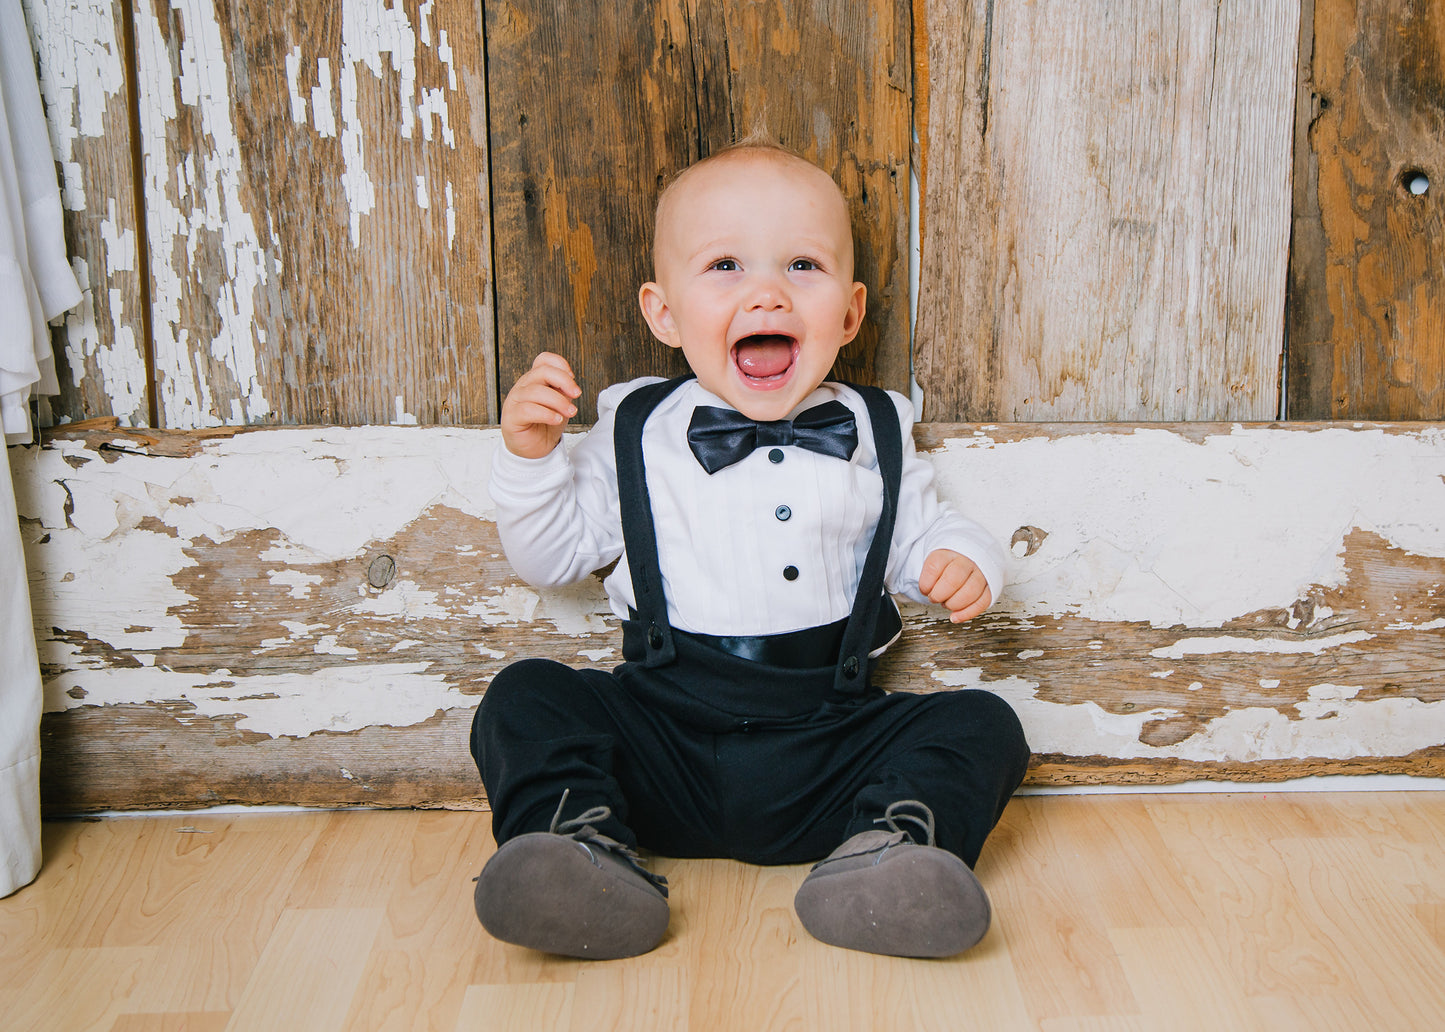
(581, 829)
(923, 819)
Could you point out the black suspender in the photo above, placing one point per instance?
(640, 537)
(858, 638)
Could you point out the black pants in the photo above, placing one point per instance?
(685, 782)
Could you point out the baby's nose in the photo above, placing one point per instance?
(769, 294)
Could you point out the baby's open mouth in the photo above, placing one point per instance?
(765, 357)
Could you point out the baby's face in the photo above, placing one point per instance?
(755, 279)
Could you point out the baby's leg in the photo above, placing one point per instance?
(564, 878)
(544, 728)
(961, 753)
(934, 780)
(566, 757)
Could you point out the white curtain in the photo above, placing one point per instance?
(36, 284)
(19, 707)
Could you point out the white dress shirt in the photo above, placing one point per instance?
(760, 547)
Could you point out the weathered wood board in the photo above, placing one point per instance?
(100, 349)
(1105, 208)
(592, 115)
(309, 615)
(1367, 295)
(316, 204)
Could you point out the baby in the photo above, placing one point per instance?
(760, 516)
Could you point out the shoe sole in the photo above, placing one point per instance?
(550, 893)
(915, 902)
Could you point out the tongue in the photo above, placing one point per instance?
(764, 356)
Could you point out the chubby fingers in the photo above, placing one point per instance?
(955, 582)
(548, 364)
(553, 372)
(543, 394)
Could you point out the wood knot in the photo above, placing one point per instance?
(1026, 541)
(381, 571)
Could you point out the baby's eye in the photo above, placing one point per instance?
(724, 265)
(803, 265)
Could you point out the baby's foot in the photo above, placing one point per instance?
(573, 891)
(882, 892)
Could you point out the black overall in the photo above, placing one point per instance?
(701, 753)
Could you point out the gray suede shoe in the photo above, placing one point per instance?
(573, 891)
(881, 892)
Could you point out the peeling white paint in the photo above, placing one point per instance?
(82, 73)
(117, 531)
(404, 600)
(340, 698)
(322, 113)
(293, 86)
(1428, 625)
(1332, 726)
(1271, 646)
(82, 80)
(403, 417)
(300, 583)
(120, 245)
(382, 40)
(451, 216)
(194, 208)
(1151, 527)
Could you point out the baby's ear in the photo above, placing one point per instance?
(657, 313)
(853, 318)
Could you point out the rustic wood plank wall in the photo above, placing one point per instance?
(1106, 209)
(1106, 199)
(1367, 304)
(86, 80)
(592, 116)
(316, 216)
(309, 615)
(288, 214)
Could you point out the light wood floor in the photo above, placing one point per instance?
(1214, 912)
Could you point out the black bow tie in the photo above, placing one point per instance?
(720, 437)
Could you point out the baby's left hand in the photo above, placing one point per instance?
(954, 581)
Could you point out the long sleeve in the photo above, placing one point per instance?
(558, 516)
(926, 524)
(761, 547)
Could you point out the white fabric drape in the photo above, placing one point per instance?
(36, 281)
(36, 284)
(19, 706)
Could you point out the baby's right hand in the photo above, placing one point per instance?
(538, 406)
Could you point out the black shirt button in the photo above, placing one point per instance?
(654, 636)
(850, 667)
(790, 573)
(782, 512)
(775, 456)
